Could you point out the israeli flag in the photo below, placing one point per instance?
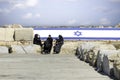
(80, 33)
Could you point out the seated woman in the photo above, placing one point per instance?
(46, 47)
(58, 44)
(37, 40)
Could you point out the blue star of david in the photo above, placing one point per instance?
(77, 33)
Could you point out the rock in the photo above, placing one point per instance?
(2, 34)
(85, 50)
(116, 68)
(91, 59)
(18, 49)
(6, 34)
(3, 50)
(9, 34)
(78, 52)
(95, 51)
(26, 49)
(91, 55)
(100, 55)
(108, 59)
(24, 34)
(31, 49)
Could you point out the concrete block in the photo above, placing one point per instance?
(3, 50)
(90, 58)
(96, 50)
(100, 56)
(26, 49)
(116, 68)
(18, 49)
(84, 49)
(24, 34)
(31, 49)
(9, 34)
(2, 34)
(108, 60)
(78, 52)
(6, 34)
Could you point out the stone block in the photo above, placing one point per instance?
(26, 49)
(6, 34)
(24, 34)
(116, 68)
(108, 60)
(3, 50)
(90, 58)
(9, 34)
(100, 56)
(78, 52)
(84, 49)
(96, 50)
(31, 49)
(2, 34)
(18, 49)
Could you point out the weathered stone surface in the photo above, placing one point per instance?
(18, 49)
(32, 49)
(24, 34)
(108, 60)
(2, 34)
(93, 57)
(78, 52)
(100, 55)
(86, 50)
(9, 34)
(6, 34)
(3, 50)
(116, 67)
(96, 49)
(89, 52)
(26, 49)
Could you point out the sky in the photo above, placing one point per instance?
(59, 12)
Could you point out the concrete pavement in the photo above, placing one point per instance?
(46, 67)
